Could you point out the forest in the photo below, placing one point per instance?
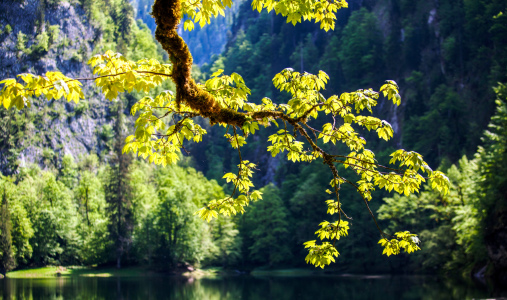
(70, 195)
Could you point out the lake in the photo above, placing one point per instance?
(239, 287)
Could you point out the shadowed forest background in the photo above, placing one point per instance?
(68, 196)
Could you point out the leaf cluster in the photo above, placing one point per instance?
(320, 11)
(405, 241)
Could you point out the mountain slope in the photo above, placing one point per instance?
(51, 35)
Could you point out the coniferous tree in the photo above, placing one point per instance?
(493, 169)
(118, 193)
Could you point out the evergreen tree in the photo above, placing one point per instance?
(123, 16)
(360, 52)
(493, 170)
(118, 193)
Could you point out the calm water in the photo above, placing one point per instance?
(241, 287)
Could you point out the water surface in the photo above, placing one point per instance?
(240, 287)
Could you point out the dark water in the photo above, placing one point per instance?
(241, 287)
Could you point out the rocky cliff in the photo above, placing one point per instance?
(45, 35)
(202, 42)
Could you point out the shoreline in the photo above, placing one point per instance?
(208, 272)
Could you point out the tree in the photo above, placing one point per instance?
(227, 250)
(53, 214)
(167, 120)
(182, 236)
(492, 207)
(449, 224)
(466, 226)
(68, 172)
(267, 228)
(360, 44)
(22, 231)
(7, 261)
(8, 129)
(118, 194)
(93, 225)
(145, 200)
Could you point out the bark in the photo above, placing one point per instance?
(167, 17)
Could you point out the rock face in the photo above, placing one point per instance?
(65, 128)
(37, 36)
(202, 42)
(31, 18)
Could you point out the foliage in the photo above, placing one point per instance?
(458, 227)
(92, 229)
(228, 244)
(118, 194)
(491, 209)
(360, 48)
(446, 107)
(223, 99)
(49, 209)
(450, 224)
(68, 172)
(7, 261)
(72, 225)
(145, 201)
(22, 232)
(181, 236)
(265, 230)
(142, 44)
(449, 103)
(493, 153)
(321, 11)
(87, 239)
(8, 29)
(21, 41)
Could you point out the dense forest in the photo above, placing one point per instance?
(69, 197)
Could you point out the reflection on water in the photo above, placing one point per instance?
(241, 287)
